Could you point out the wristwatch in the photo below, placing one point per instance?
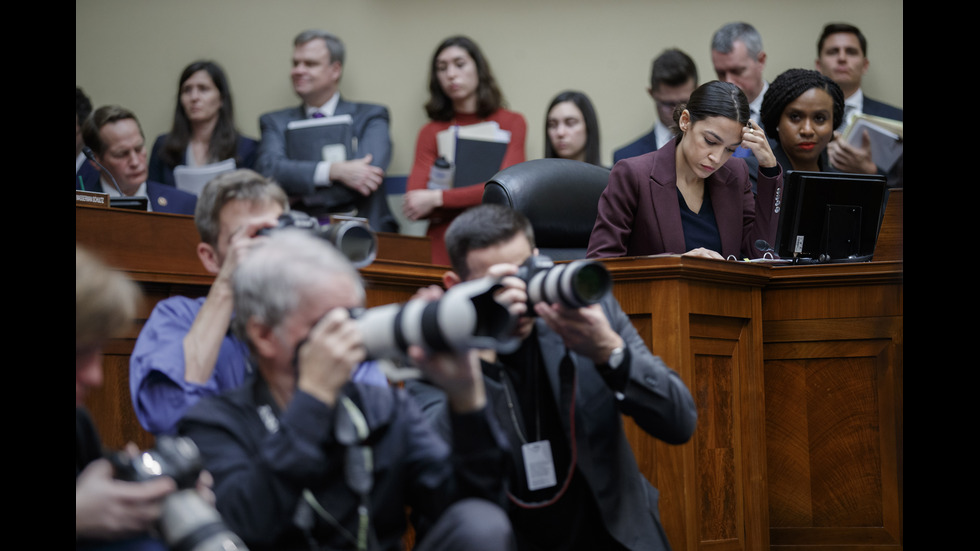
(616, 357)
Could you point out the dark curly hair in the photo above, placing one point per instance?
(791, 85)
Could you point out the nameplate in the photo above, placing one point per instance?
(92, 198)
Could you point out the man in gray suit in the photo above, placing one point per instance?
(351, 184)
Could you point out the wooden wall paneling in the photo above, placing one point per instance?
(713, 488)
(834, 423)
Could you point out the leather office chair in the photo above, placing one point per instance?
(559, 196)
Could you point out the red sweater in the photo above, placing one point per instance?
(456, 200)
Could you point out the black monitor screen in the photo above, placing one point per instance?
(830, 216)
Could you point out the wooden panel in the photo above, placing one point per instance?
(833, 400)
(717, 444)
(158, 251)
(890, 240)
(705, 324)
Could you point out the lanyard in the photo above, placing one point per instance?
(568, 381)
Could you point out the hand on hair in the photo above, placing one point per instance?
(754, 139)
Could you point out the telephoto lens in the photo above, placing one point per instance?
(352, 236)
(466, 316)
(576, 284)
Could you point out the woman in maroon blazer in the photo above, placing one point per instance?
(691, 196)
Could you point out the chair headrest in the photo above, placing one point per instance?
(559, 196)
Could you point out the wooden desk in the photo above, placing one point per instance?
(796, 372)
(158, 252)
(797, 376)
(833, 352)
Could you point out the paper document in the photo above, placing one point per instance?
(193, 178)
(886, 135)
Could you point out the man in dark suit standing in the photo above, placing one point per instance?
(326, 184)
(842, 56)
(672, 79)
(560, 396)
(117, 142)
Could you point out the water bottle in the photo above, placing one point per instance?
(441, 174)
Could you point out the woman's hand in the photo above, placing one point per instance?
(419, 203)
(754, 138)
(701, 252)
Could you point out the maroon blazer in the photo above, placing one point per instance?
(639, 213)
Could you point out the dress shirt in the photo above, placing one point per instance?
(322, 175)
(755, 108)
(853, 106)
(663, 134)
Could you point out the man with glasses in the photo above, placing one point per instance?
(672, 79)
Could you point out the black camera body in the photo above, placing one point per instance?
(352, 236)
(187, 522)
(466, 316)
(175, 457)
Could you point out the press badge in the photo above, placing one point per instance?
(539, 465)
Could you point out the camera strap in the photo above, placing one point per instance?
(351, 431)
(568, 381)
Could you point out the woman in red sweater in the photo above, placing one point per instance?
(462, 92)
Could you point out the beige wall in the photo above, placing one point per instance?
(131, 52)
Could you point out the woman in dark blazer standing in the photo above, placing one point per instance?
(691, 197)
(204, 126)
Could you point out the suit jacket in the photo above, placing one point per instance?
(644, 144)
(653, 395)
(90, 177)
(163, 173)
(639, 213)
(162, 198)
(881, 109)
(370, 127)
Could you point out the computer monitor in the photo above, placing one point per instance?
(830, 216)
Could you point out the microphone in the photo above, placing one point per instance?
(90, 155)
